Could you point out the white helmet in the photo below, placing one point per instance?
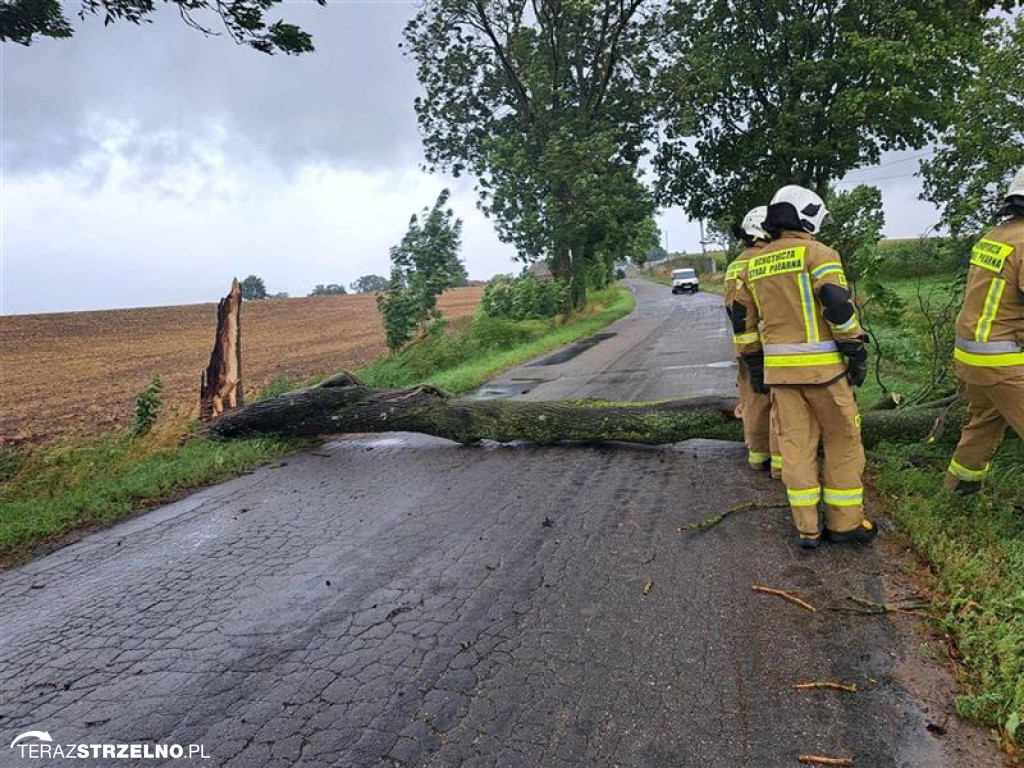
(1017, 185)
(797, 208)
(753, 223)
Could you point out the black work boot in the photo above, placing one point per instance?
(811, 540)
(968, 487)
(862, 534)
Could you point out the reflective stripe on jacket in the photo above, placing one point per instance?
(734, 276)
(780, 291)
(990, 327)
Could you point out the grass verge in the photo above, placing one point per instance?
(53, 491)
(463, 361)
(975, 546)
(78, 484)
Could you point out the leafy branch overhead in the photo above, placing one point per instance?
(982, 148)
(244, 21)
(760, 93)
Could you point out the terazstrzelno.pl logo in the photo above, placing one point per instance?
(40, 745)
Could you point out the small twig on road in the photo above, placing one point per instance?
(871, 608)
(711, 522)
(819, 760)
(813, 684)
(784, 595)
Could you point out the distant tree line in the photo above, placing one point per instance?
(254, 288)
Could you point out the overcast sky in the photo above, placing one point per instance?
(148, 165)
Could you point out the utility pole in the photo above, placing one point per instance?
(704, 250)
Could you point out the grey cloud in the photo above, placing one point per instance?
(349, 104)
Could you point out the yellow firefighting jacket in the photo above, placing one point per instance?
(732, 274)
(990, 328)
(783, 313)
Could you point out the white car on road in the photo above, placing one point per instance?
(685, 281)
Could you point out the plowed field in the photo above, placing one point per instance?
(78, 373)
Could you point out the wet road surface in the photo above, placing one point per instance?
(402, 601)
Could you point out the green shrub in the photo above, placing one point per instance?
(918, 258)
(147, 407)
(524, 298)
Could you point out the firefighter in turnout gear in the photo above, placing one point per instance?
(803, 339)
(989, 349)
(755, 407)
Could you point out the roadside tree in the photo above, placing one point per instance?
(424, 264)
(980, 151)
(548, 106)
(761, 93)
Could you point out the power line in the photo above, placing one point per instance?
(880, 178)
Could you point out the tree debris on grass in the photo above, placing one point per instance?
(784, 595)
(824, 684)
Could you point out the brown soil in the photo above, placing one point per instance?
(78, 373)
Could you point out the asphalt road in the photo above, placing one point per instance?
(399, 600)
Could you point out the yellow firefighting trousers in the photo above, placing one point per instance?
(756, 411)
(991, 410)
(808, 416)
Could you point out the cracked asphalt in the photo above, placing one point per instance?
(401, 601)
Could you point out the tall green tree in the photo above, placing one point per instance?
(761, 93)
(979, 153)
(253, 288)
(547, 104)
(22, 21)
(425, 264)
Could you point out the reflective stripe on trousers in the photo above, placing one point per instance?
(970, 475)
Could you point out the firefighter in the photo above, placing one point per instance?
(755, 408)
(809, 350)
(989, 349)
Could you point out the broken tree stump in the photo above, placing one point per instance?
(220, 385)
(343, 404)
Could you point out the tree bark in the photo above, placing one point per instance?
(220, 385)
(343, 404)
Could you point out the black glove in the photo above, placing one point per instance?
(856, 355)
(755, 365)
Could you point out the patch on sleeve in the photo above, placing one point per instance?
(990, 255)
(734, 269)
(776, 263)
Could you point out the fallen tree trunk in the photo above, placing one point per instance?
(343, 404)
